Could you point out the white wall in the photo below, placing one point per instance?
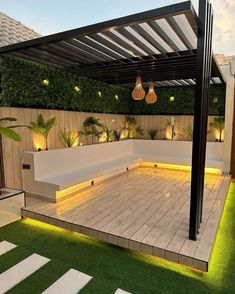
(229, 115)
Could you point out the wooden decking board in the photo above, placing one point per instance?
(146, 209)
(130, 221)
(105, 196)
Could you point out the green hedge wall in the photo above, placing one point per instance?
(21, 86)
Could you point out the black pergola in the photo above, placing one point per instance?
(170, 46)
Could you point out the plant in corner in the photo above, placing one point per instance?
(152, 133)
(70, 138)
(218, 125)
(42, 127)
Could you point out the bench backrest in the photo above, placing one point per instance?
(67, 159)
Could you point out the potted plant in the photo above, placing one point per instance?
(171, 127)
(91, 125)
(70, 138)
(218, 125)
(42, 127)
(152, 133)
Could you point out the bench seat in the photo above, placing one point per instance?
(77, 176)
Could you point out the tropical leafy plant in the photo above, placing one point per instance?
(152, 133)
(218, 124)
(170, 125)
(91, 125)
(42, 127)
(8, 131)
(117, 135)
(139, 131)
(107, 131)
(70, 137)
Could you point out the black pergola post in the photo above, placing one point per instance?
(204, 57)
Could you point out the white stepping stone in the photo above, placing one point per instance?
(120, 291)
(6, 246)
(21, 271)
(70, 283)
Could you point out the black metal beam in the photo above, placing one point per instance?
(204, 53)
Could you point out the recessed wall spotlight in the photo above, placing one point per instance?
(45, 82)
(77, 89)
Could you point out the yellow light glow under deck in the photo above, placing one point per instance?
(86, 184)
(179, 167)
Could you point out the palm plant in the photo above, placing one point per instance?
(91, 125)
(42, 127)
(8, 131)
(152, 133)
(107, 132)
(70, 137)
(130, 124)
(218, 124)
(139, 131)
(117, 135)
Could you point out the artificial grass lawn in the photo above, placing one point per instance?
(113, 267)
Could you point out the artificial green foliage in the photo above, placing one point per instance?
(22, 86)
(183, 101)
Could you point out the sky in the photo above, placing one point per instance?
(52, 16)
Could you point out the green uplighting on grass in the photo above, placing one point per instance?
(112, 267)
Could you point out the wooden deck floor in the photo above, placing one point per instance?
(145, 210)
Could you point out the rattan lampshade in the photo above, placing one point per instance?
(151, 97)
(138, 92)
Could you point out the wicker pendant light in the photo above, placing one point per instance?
(151, 97)
(138, 92)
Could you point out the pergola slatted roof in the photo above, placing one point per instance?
(160, 44)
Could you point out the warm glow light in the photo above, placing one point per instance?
(99, 94)
(116, 97)
(45, 82)
(103, 138)
(81, 144)
(39, 142)
(179, 167)
(77, 89)
(138, 92)
(151, 97)
(72, 189)
(172, 99)
(217, 135)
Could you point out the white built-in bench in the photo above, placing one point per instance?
(56, 174)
